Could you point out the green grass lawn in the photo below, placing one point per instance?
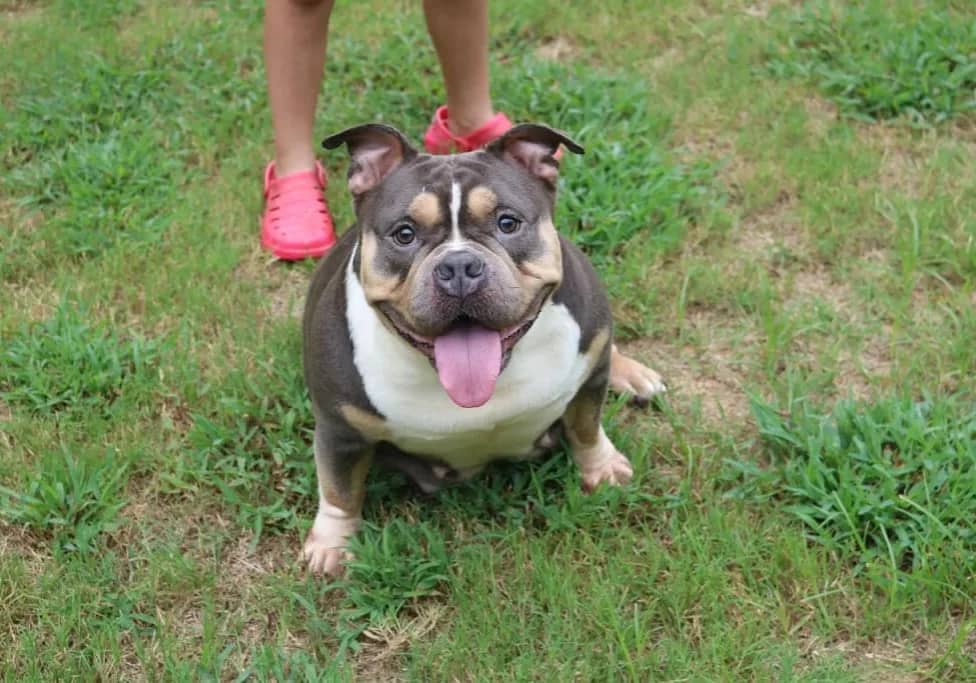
(781, 198)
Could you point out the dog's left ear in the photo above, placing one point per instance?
(533, 147)
(374, 149)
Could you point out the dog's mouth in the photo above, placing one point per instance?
(467, 356)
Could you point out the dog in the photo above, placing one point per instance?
(454, 326)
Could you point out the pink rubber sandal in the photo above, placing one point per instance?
(440, 140)
(296, 223)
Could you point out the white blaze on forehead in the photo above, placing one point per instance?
(455, 211)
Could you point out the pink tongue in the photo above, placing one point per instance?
(468, 360)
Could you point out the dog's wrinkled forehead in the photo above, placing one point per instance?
(387, 176)
(450, 193)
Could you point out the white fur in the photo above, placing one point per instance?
(455, 208)
(544, 374)
(333, 525)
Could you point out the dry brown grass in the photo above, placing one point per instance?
(382, 646)
(557, 49)
(283, 285)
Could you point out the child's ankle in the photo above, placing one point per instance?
(468, 122)
(287, 164)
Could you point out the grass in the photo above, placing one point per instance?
(883, 60)
(62, 365)
(781, 203)
(887, 481)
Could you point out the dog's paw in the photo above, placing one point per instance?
(613, 469)
(325, 546)
(322, 558)
(627, 376)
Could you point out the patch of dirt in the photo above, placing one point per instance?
(381, 646)
(18, 541)
(6, 442)
(776, 238)
(920, 164)
(818, 284)
(859, 369)
(175, 414)
(241, 578)
(285, 285)
(19, 9)
(272, 555)
(711, 372)
(287, 299)
(557, 49)
(666, 59)
(901, 166)
(821, 115)
(888, 661)
(717, 149)
(859, 366)
(32, 300)
(19, 219)
(773, 234)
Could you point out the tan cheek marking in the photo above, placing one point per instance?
(547, 269)
(376, 286)
(379, 288)
(481, 202)
(426, 209)
(373, 427)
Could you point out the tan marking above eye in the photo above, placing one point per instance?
(481, 202)
(425, 209)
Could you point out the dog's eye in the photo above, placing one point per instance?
(404, 234)
(508, 223)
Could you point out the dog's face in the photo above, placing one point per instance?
(457, 253)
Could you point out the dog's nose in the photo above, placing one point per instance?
(460, 273)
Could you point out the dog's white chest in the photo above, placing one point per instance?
(543, 375)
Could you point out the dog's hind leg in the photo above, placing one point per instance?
(628, 376)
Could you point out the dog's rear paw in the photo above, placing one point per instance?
(627, 376)
(614, 469)
(322, 559)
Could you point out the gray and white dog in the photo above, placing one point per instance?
(454, 326)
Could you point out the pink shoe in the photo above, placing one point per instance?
(296, 223)
(440, 140)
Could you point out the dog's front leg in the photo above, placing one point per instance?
(341, 465)
(598, 459)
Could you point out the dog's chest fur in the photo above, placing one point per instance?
(545, 372)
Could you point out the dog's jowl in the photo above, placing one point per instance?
(454, 326)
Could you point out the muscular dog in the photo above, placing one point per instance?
(454, 326)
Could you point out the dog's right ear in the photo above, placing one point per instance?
(374, 150)
(533, 147)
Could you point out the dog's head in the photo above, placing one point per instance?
(457, 253)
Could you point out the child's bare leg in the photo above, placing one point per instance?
(295, 35)
(459, 31)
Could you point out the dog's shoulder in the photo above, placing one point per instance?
(328, 350)
(583, 294)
